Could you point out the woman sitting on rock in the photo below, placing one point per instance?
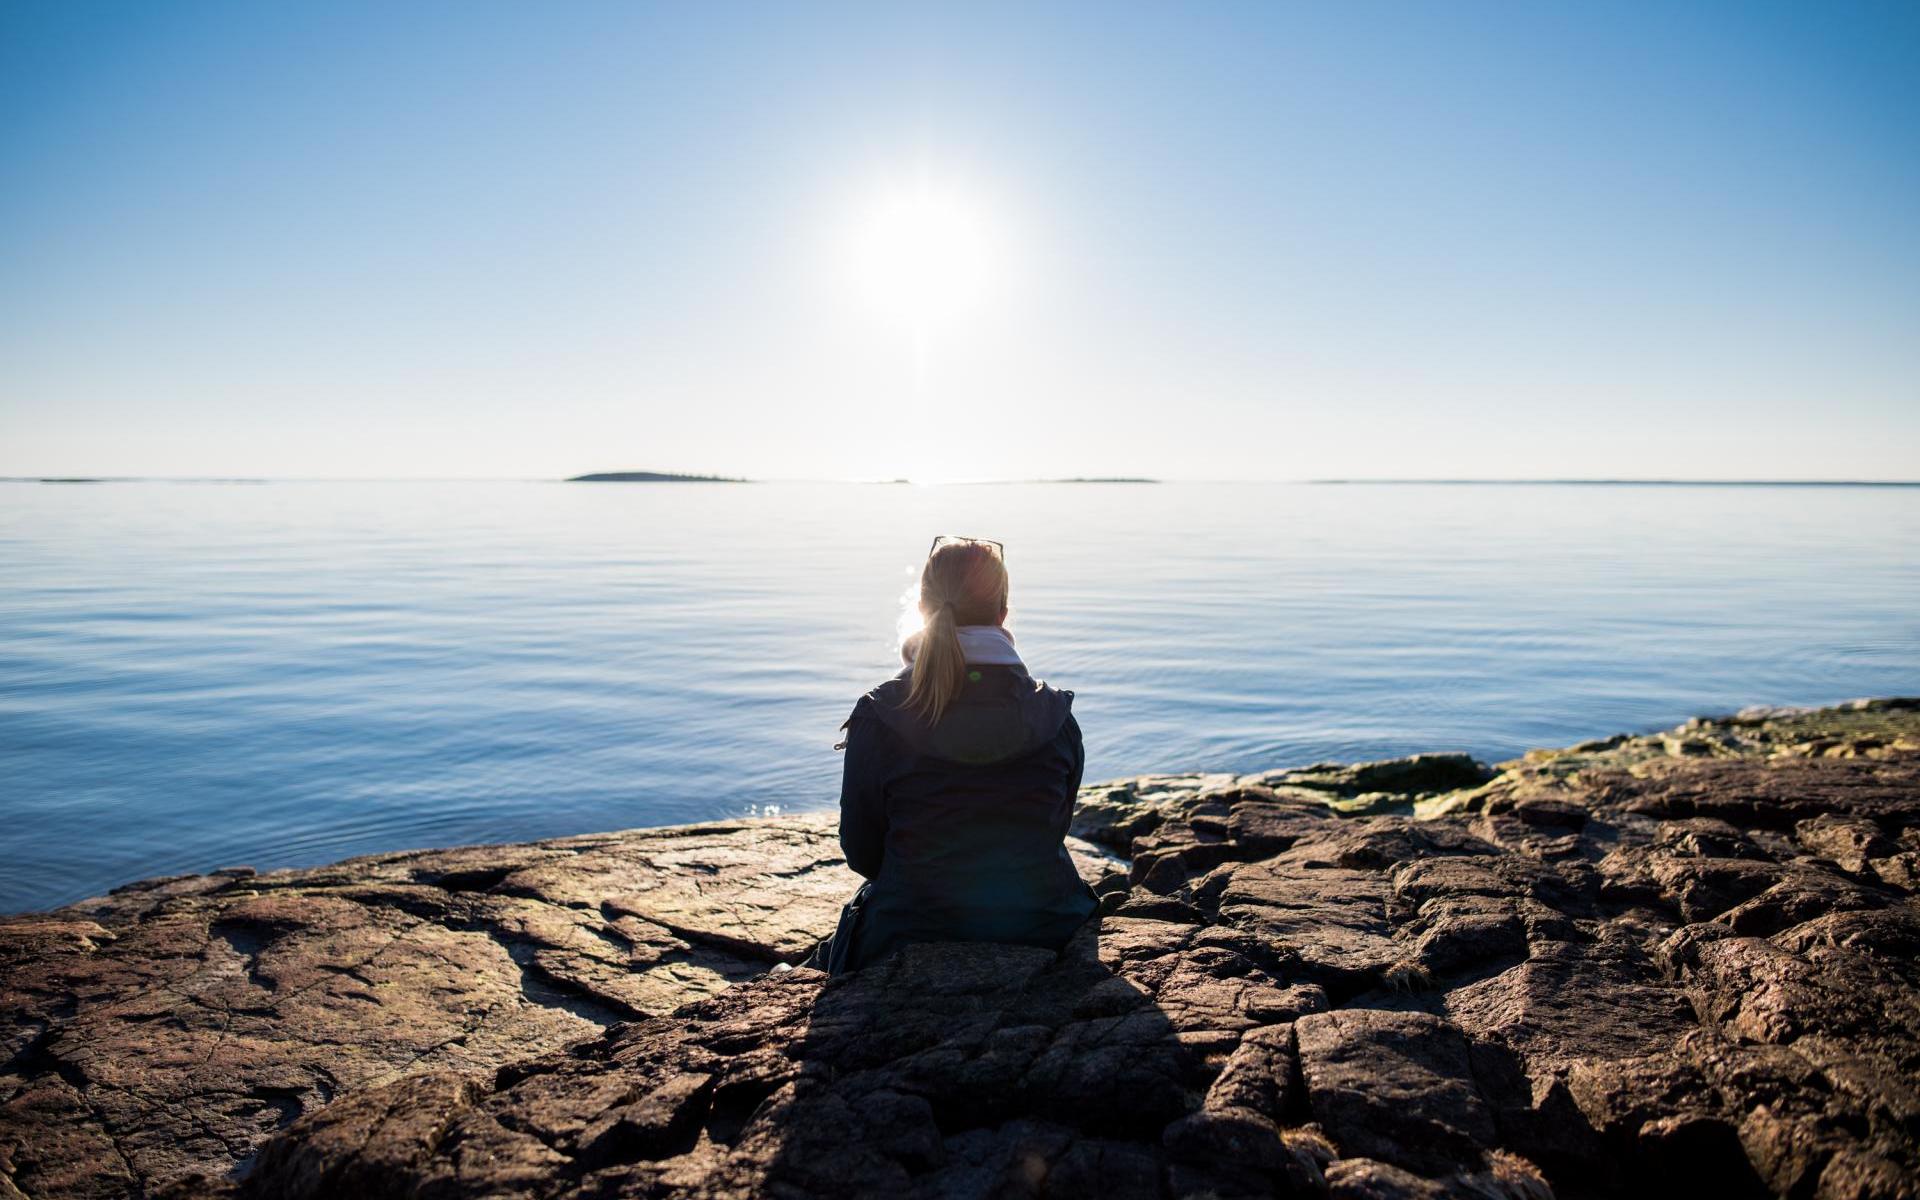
(959, 783)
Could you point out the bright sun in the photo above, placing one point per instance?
(923, 255)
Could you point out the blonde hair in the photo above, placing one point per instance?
(963, 583)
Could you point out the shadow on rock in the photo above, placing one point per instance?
(947, 1070)
(972, 1070)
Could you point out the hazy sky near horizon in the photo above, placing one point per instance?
(1253, 242)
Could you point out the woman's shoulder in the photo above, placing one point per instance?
(1012, 708)
(887, 696)
(891, 691)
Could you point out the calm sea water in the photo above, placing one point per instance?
(201, 675)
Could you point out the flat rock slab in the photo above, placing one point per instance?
(172, 1025)
(1328, 923)
(1395, 1086)
(1677, 964)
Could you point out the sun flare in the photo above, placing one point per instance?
(923, 254)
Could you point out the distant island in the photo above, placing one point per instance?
(650, 477)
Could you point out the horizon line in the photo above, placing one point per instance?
(1350, 481)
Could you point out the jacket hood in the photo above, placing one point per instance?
(1001, 713)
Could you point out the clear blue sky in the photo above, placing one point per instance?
(1267, 241)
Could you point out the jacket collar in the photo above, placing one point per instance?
(980, 645)
(988, 646)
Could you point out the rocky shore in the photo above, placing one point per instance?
(1679, 964)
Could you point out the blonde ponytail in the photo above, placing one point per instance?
(964, 583)
(939, 669)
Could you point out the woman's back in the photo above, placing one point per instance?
(961, 825)
(960, 778)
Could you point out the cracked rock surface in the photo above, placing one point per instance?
(1665, 965)
(171, 1025)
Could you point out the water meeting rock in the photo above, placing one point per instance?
(1677, 964)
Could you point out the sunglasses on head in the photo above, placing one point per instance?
(946, 540)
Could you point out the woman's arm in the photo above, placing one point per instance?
(1078, 750)
(863, 798)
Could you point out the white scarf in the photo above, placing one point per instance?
(989, 645)
(980, 645)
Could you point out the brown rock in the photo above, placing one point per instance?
(1847, 841)
(1573, 1002)
(1605, 971)
(1327, 923)
(174, 1024)
(1396, 1086)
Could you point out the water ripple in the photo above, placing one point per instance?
(200, 677)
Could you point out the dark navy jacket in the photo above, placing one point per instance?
(960, 828)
